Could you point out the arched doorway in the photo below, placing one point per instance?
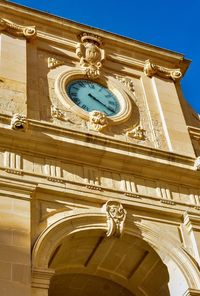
(84, 261)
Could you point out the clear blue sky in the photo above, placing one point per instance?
(171, 24)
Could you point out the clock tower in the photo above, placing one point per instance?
(99, 163)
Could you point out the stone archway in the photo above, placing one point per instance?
(75, 248)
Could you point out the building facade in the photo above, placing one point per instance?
(99, 162)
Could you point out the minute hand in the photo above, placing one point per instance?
(90, 95)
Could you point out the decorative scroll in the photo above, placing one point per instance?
(137, 133)
(90, 54)
(19, 122)
(116, 216)
(97, 121)
(151, 69)
(53, 63)
(28, 32)
(127, 82)
(197, 163)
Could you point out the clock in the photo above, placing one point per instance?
(90, 96)
(81, 96)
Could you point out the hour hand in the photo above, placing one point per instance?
(110, 109)
(92, 97)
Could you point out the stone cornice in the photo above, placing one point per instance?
(143, 202)
(109, 39)
(113, 154)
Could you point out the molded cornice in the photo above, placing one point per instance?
(46, 139)
(161, 56)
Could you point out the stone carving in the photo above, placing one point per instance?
(19, 122)
(127, 82)
(53, 63)
(90, 54)
(116, 216)
(197, 163)
(151, 69)
(97, 121)
(57, 113)
(137, 133)
(28, 32)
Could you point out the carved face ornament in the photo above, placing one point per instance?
(116, 211)
(92, 53)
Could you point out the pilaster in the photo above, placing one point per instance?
(13, 74)
(192, 225)
(173, 122)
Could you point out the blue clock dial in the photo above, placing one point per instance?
(90, 96)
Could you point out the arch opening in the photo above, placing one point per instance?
(76, 248)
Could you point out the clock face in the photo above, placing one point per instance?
(90, 96)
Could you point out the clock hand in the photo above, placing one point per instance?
(90, 95)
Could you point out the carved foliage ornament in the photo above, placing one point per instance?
(57, 113)
(127, 82)
(97, 120)
(137, 133)
(28, 32)
(53, 63)
(90, 54)
(151, 69)
(19, 122)
(116, 216)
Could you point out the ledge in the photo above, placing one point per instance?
(47, 140)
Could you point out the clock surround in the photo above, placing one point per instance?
(113, 86)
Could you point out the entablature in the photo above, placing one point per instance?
(51, 145)
(67, 37)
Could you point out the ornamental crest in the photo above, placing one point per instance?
(90, 54)
(116, 216)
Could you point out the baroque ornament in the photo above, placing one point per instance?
(137, 133)
(90, 54)
(53, 63)
(28, 32)
(19, 122)
(57, 113)
(97, 121)
(151, 69)
(116, 216)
